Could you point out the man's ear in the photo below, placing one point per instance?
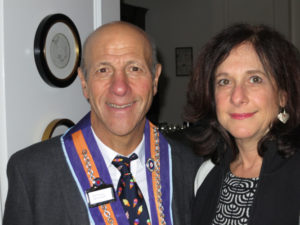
(83, 82)
(156, 78)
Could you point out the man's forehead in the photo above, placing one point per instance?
(120, 32)
(118, 40)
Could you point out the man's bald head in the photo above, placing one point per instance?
(117, 31)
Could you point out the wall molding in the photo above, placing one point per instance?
(3, 128)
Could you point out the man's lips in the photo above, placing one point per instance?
(241, 116)
(117, 106)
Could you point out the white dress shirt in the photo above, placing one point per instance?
(137, 166)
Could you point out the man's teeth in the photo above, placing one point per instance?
(119, 106)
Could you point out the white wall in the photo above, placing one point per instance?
(3, 142)
(31, 103)
(110, 10)
(191, 23)
(27, 103)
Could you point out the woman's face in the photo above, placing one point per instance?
(247, 99)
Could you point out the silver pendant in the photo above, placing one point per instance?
(283, 117)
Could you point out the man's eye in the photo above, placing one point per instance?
(102, 70)
(134, 69)
(255, 79)
(223, 82)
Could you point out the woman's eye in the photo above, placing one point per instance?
(255, 79)
(223, 82)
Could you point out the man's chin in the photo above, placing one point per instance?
(121, 131)
(121, 128)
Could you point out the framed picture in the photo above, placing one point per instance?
(184, 61)
(57, 50)
(56, 127)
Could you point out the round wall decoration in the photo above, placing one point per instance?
(57, 50)
(53, 125)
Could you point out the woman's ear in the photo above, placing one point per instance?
(282, 98)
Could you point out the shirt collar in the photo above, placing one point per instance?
(109, 154)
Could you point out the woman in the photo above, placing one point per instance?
(245, 97)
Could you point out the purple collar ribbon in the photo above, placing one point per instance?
(158, 172)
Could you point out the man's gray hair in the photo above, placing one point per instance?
(154, 59)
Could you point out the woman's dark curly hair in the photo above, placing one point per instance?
(280, 60)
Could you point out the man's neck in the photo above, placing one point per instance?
(124, 144)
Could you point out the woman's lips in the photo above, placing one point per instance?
(241, 116)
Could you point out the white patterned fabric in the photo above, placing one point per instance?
(236, 199)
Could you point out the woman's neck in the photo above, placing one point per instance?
(247, 163)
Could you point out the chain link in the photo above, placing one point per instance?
(107, 214)
(157, 177)
(92, 178)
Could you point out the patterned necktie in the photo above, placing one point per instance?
(129, 193)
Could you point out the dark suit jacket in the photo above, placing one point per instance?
(42, 190)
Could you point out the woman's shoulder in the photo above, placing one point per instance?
(202, 173)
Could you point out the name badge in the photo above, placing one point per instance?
(99, 195)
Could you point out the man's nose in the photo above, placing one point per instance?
(120, 83)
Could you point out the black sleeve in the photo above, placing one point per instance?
(18, 210)
(184, 168)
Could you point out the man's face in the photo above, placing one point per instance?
(120, 86)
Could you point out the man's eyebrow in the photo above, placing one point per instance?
(134, 62)
(102, 63)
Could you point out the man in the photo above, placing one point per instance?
(76, 178)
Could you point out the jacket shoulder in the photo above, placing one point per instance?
(184, 166)
(38, 155)
(181, 146)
